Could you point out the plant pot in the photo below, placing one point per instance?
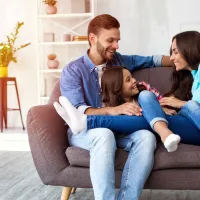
(53, 64)
(51, 10)
(3, 72)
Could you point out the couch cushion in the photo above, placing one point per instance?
(81, 157)
(187, 156)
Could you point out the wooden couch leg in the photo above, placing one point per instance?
(66, 191)
(73, 190)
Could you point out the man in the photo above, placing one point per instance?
(80, 84)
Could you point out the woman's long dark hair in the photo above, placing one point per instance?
(188, 45)
(181, 85)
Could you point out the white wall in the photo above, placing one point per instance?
(12, 11)
(147, 27)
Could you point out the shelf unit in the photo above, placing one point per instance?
(71, 18)
(62, 43)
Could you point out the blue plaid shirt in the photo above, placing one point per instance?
(80, 82)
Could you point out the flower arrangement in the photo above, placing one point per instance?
(50, 2)
(8, 49)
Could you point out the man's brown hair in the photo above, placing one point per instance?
(100, 22)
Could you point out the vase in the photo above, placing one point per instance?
(3, 72)
(53, 64)
(51, 10)
(87, 6)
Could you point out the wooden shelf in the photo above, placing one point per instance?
(65, 16)
(50, 70)
(71, 20)
(63, 43)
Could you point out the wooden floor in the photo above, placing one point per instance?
(20, 181)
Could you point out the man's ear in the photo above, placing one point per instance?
(92, 38)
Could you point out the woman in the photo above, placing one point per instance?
(179, 124)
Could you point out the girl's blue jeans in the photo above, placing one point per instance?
(186, 123)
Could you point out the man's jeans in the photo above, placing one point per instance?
(186, 123)
(101, 143)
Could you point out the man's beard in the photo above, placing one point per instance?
(102, 52)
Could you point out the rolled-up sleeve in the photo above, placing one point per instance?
(83, 108)
(71, 85)
(157, 59)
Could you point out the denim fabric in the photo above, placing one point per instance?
(191, 110)
(185, 123)
(148, 103)
(102, 146)
(80, 82)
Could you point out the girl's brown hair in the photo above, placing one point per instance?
(111, 86)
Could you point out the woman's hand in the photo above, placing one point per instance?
(128, 108)
(172, 102)
(169, 111)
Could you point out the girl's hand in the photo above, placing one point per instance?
(169, 111)
(172, 102)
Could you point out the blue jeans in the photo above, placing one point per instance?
(185, 124)
(101, 143)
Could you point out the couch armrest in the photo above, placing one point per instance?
(48, 141)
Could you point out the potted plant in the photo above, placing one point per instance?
(8, 50)
(51, 8)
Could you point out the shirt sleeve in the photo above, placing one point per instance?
(83, 108)
(71, 85)
(157, 59)
(196, 95)
(134, 62)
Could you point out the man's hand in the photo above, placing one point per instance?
(128, 108)
(172, 102)
(169, 111)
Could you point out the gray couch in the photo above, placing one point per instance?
(60, 165)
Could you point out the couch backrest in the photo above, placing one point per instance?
(158, 77)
